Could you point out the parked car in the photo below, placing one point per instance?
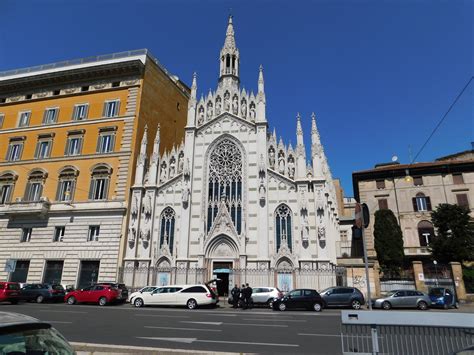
(403, 299)
(191, 296)
(343, 297)
(123, 297)
(10, 292)
(42, 292)
(299, 298)
(443, 297)
(146, 289)
(99, 293)
(262, 295)
(22, 334)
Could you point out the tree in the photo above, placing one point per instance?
(388, 240)
(454, 239)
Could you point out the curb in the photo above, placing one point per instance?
(110, 349)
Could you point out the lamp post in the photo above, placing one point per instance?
(436, 271)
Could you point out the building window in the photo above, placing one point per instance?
(418, 180)
(343, 234)
(59, 234)
(7, 184)
(66, 184)
(80, 112)
(15, 149)
(421, 203)
(24, 119)
(50, 115)
(283, 227)
(93, 235)
(34, 186)
(462, 200)
(21, 271)
(167, 228)
(26, 235)
(380, 184)
(458, 179)
(111, 108)
(105, 143)
(74, 144)
(383, 204)
(53, 271)
(43, 147)
(100, 182)
(225, 183)
(2, 118)
(425, 233)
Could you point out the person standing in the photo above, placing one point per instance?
(235, 292)
(248, 296)
(242, 296)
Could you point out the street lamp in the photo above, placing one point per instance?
(436, 271)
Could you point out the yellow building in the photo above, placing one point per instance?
(68, 151)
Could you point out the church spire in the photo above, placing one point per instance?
(153, 175)
(229, 58)
(191, 121)
(300, 150)
(317, 152)
(261, 103)
(140, 168)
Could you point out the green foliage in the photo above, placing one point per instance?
(388, 241)
(454, 240)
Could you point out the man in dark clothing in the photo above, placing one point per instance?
(235, 292)
(248, 296)
(242, 296)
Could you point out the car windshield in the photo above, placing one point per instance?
(390, 293)
(58, 287)
(437, 292)
(325, 290)
(34, 341)
(13, 287)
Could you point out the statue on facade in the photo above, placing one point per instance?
(321, 233)
(271, 157)
(134, 206)
(218, 105)
(172, 167)
(147, 208)
(291, 168)
(163, 173)
(180, 162)
(235, 105)
(262, 191)
(252, 112)
(201, 115)
(185, 194)
(304, 228)
(209, 110)
(243, 108)
(281, 163)
(227, 101)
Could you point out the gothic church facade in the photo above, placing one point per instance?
(231, 197)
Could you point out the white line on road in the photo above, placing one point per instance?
(56, 321)
(276, 319)
(78, 312)
(159, 316)
(320, 335)
(208, 323)
(259, 325)
(221, 315)
(202, 330)
(193, 340)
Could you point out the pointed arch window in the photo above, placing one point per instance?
(167, 228)
(225, 183)
(283, 227)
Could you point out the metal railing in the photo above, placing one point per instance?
(372, 332)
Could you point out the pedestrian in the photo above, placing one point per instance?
(242, 296)
(248, 296)
(235, 292)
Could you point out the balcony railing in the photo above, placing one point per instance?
(40, 207)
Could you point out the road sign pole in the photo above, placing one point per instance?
(369, 298)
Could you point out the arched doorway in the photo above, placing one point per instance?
(222, 256)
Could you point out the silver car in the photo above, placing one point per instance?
(403, 299)
(262, 295)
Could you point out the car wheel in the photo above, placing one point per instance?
(39, 299)
(386, 305)
(138, 302)
(317, 307)
(102, 301)
(191, 304)
(422, 305)
(282, 307)
(445, 306)
(71, 300)
(355, 304)
(270, 303)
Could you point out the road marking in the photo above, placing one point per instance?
(320, 335)
(259, 325)
(195, 340)
(56, 321)
(158, 315)
(221, 315)
(276, 319)
(78, 312)
(202, 330)
(208, 323)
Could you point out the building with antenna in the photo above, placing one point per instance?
(233, 201)
(68, 151)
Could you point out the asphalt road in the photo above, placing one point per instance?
(257, 330)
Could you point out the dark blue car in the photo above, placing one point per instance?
(443, 298)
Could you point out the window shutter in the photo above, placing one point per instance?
(58, 190)
(91, 189)
(104, 109)
(106, 188)
(56, 115)
(26, 197)
(74, 113)
(117, 108)
(68, 143)
(415, 206)
(86, 111)
(462, 200)
(428, 203)
(97, 149)
(20, 151)
(9, 149)
(37, 149)
(45, 115)
(40, 192)
(112, 142)
(73, 189)
(79, 148)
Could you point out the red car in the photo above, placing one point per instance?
(100, 294)
(10, 292)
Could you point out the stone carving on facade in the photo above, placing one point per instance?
(243, 108)
(210, 111)
(132, 235)
(172, 167)
(185, 195)
(322, 236)
(252, 112)
(218, 105)
(186, 170)
(134, 209)
(99, 86)
(145, 234)
(163, 172)
(227, 101)
(147, 206)
(271, 157)
(42, 94)
(281, 163)
(291, 167)
(235, 105)
(180, 162)
(70, 90)
(200, 115)
(15, 98)
(304, 228)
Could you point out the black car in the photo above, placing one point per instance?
(343, 297)
(299, 299)
(42, 292)
(124, 296)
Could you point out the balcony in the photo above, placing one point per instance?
(19, 207)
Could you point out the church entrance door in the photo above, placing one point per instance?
(221, 271)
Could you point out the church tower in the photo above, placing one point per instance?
(229, 60)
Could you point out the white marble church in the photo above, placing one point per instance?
(232, 201)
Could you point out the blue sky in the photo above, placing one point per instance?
(378, 74)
